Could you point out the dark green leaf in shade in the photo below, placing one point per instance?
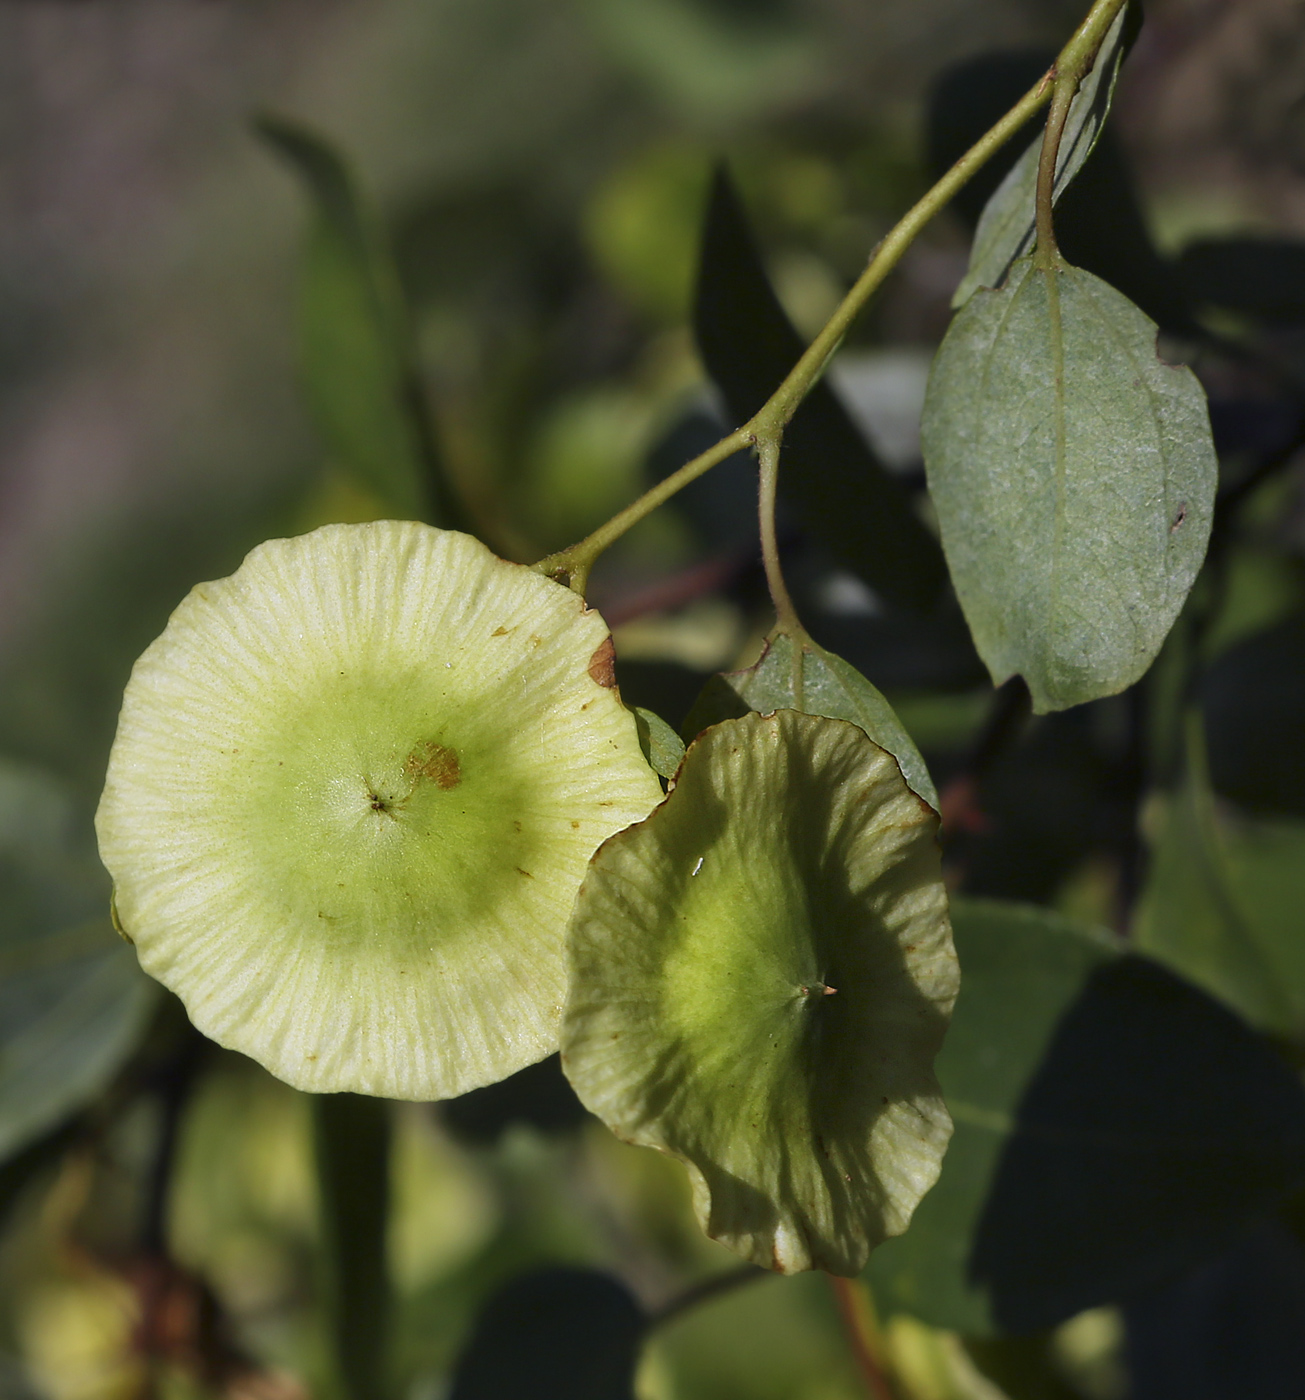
(1024, 1368)
(1006, 228)
(351, 1138)
(1235, 1330)
(760, 975)
(1252, 701)
(73, 1003)
(1114, 1126)
(357, 365)
(965, 101)
(539, 1095)
(1224, 902)
(29, 1164)
(838, 489)
(799, 675)
(1074, 477)
(554, 1334)
(1259, 277)
(662, 746)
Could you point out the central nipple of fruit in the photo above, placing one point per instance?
(429, 762)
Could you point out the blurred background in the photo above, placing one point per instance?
(539, 170)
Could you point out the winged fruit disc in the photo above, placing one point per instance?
(760, 976)
(353, 792)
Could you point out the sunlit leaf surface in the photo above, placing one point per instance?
(1074, 476)
(799, 675)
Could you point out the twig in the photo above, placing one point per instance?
(862, 1334)
(703, 1292)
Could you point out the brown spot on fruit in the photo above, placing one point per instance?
(602, 664)
(436, 762)
(499, 632)
(526, 873)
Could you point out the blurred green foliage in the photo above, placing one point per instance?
(506, 344)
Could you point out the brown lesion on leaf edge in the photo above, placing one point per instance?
(602, 664)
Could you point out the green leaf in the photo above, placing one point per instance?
(554, 1334)
(1113, 1127)
(1074, 475)
(840, 491)
(1006, 227)
(802, 676)
(539, 1096)
(760, 977)
(351, 1140)
(662, 746)
(357, 365)
(73, 1003)
(1252, 700)
(1263, 278)
(1223, 901)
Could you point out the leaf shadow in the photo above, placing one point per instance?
(1128, 1162)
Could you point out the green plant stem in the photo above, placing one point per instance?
(572, 565)
(352, 1141)
(861, 1328)
(1046, 253)
(785, 613)
(1072, 65)
(705, 1291)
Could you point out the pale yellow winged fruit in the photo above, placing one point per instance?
(354, 790)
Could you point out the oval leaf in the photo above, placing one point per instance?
(1006, 227)
(662, 746)
(1223, 899)
(760, 977)
(799, 675)
(354, 341)
(1074, 477)
(1114, 1126)
(554, 1334)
